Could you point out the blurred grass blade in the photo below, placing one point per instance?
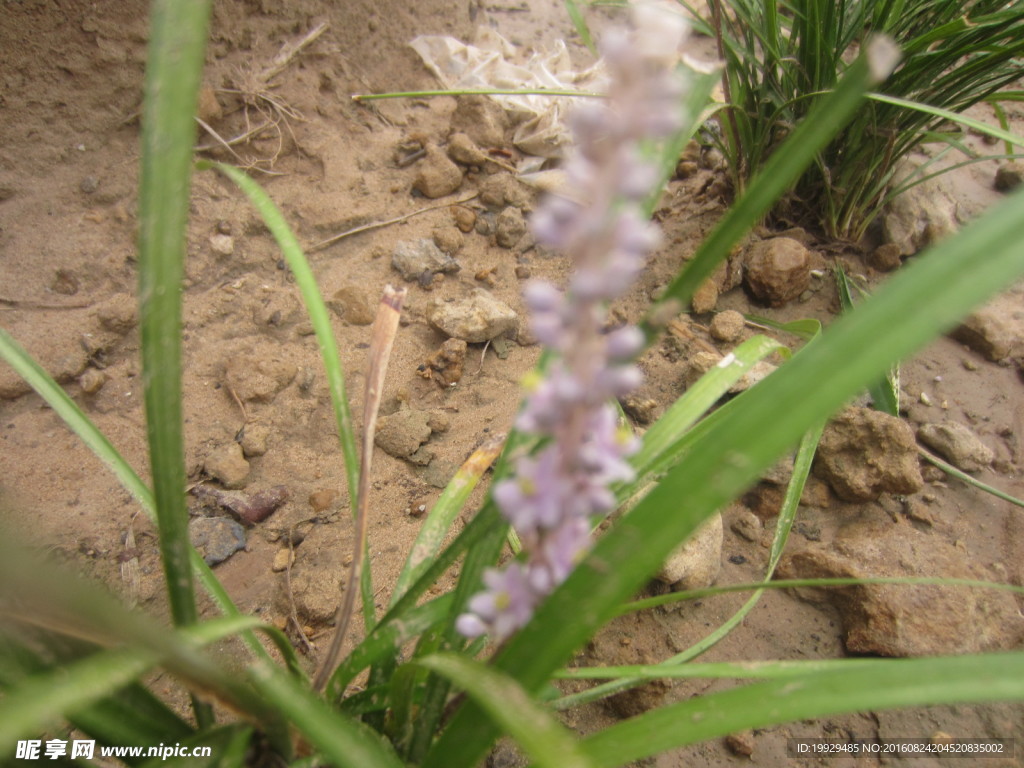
(174, 69)
(541, 736)
(446, 509)
(885, 394)
(344, 742)
(875, 686)
(737, 670)
(778, 175)
(952, 471)
(228, 746)
(572, 8)
(924, 299)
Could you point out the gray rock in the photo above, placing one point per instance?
(476, 318)
(899, 620)
(227, 465)
(402, 433)
(924, 214)
(509, 227)
(864, 453)
(436, 175)
(777, 270)
(697, 562)
(997, 329)
(957, 444)
(216, 538)
(414, 258)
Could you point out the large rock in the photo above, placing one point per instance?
(777, 270)
(476, 318)
(956, 444)
(997, 329)
(864, 453)
(904, 620)
(919, 216)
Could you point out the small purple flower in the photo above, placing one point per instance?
(554, 498)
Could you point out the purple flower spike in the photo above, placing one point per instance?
(554, 498)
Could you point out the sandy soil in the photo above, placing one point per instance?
(68, 165)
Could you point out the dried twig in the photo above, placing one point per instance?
(382, 338)
(378, 224)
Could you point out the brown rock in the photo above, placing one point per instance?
(900, 620)
(353, 304)
(777, 270)
(741, 743)
(119, 313)
(501, 190)
(997, 329)
(482, 119)
(227, 465)
(449, 239)
(705, 297)
(461, 149)
(445, 365)
(465, 218)
(436, 175)
(696, 562)
(322, 500)
(864, 453)
(402, 433)
(1009, 176)
(727, 326)
(886, 258)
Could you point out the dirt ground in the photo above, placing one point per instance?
(69, 103)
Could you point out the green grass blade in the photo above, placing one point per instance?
(1010, 139)
(952, 471)
(572, 8)
(174, 69)
(728, 670)
(876, 686)
(542, 737)
(885, 393)
(446, 509)
(344, 742)
(320, 319)
(779, 174)
(923, 300)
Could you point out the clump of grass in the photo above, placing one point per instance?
(71, 653)
(781, 58)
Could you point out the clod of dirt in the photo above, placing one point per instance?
(921, 215)
(415, 258)
(353, 304)
(747, 526)
(476, 318)
(899, 620)
(509, 227)
(445, 365)
(997, 329)
(705, 298)
(697, 562)
(448, 239)
(92, 381)
(641, 409)
(727, 326)
(886, 257)
(227, 465)
(636, 701)
(283, 558)
(216, 538)
(323, 500)
(402, 433)
(501, 190)
(864, 453)
(740, 743)
(55, 341)
(482, 119)
(254, 440)
(118, 314)
(436, 175)
(463, 150)
(258, 376)
(957, 444)
(1009, 176)
(777, 270)
(465, 218)
(315, 577)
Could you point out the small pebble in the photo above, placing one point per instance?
(321, 500)
(222, 245)
(89, 185)
(91, 381)
(282, 559)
